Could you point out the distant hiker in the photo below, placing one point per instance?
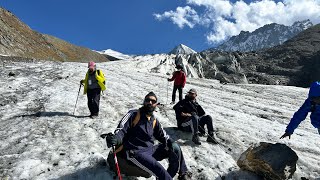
(94, 83)
(191, 117)
(311, 104)
(134, 140)
(179, 78)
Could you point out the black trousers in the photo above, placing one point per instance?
(175, 88)
(196, 124)
(93, 100)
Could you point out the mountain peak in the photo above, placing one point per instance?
(182, 49)
(303, 24)
(266, 36)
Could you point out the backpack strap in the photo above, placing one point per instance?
(136, 119)
(154, 123)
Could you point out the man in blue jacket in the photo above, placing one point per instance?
(134, 139)
(311, 104)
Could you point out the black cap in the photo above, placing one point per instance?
(179, 66)
(151, 94)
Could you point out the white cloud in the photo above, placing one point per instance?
(227, 19)
(183, 16)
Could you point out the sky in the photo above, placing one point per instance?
(42, 139)
(154, 26)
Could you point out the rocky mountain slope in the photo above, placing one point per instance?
(295, 62)
(18, 39)
(267, 36)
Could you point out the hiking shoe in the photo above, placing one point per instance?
(196, 139)
(93, 116)
(201, 134)
(173, 102)
(185, 176)
(211, 139)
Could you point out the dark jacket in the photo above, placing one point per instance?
(142, 135)
(187, 106)
(312, 105)
(179, 78)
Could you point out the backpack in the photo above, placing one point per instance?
(104, 82)
(133, 124)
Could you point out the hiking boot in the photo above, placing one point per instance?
(211, 139)
(93, 116)
(196, 139)
(201, 134)
(185, 176)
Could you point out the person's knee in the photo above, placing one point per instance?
(209, 117)
(194, 116)
(176, 148)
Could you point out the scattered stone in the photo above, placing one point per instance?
(272, 161)
(11, 73)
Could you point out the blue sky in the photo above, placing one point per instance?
(153, 26)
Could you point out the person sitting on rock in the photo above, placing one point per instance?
(134, 139)
(191, 117)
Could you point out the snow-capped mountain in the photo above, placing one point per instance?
(114, 55)
(182, 49)
(267, 36)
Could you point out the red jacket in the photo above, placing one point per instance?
(179, 78)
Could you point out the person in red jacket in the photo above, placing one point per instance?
(179, 78)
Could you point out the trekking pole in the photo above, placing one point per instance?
(116, 162)
(167, 91)
(215, 140)
(209, 135)
(77, 100)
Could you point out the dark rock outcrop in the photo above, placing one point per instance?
(272, 161)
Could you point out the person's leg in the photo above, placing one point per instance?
(207, 120)
(180, 92)
(147, 162)
(90, 96)
(193, 123)
(174, 93)
(96, 101)
(175, 158)
(319, 130)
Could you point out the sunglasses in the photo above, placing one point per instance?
(153, 101)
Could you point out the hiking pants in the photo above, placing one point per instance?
(196, 124)
(93, 100)
(175, 88)
(147, 159)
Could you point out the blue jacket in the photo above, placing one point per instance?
(308, 106)
(142, 135)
